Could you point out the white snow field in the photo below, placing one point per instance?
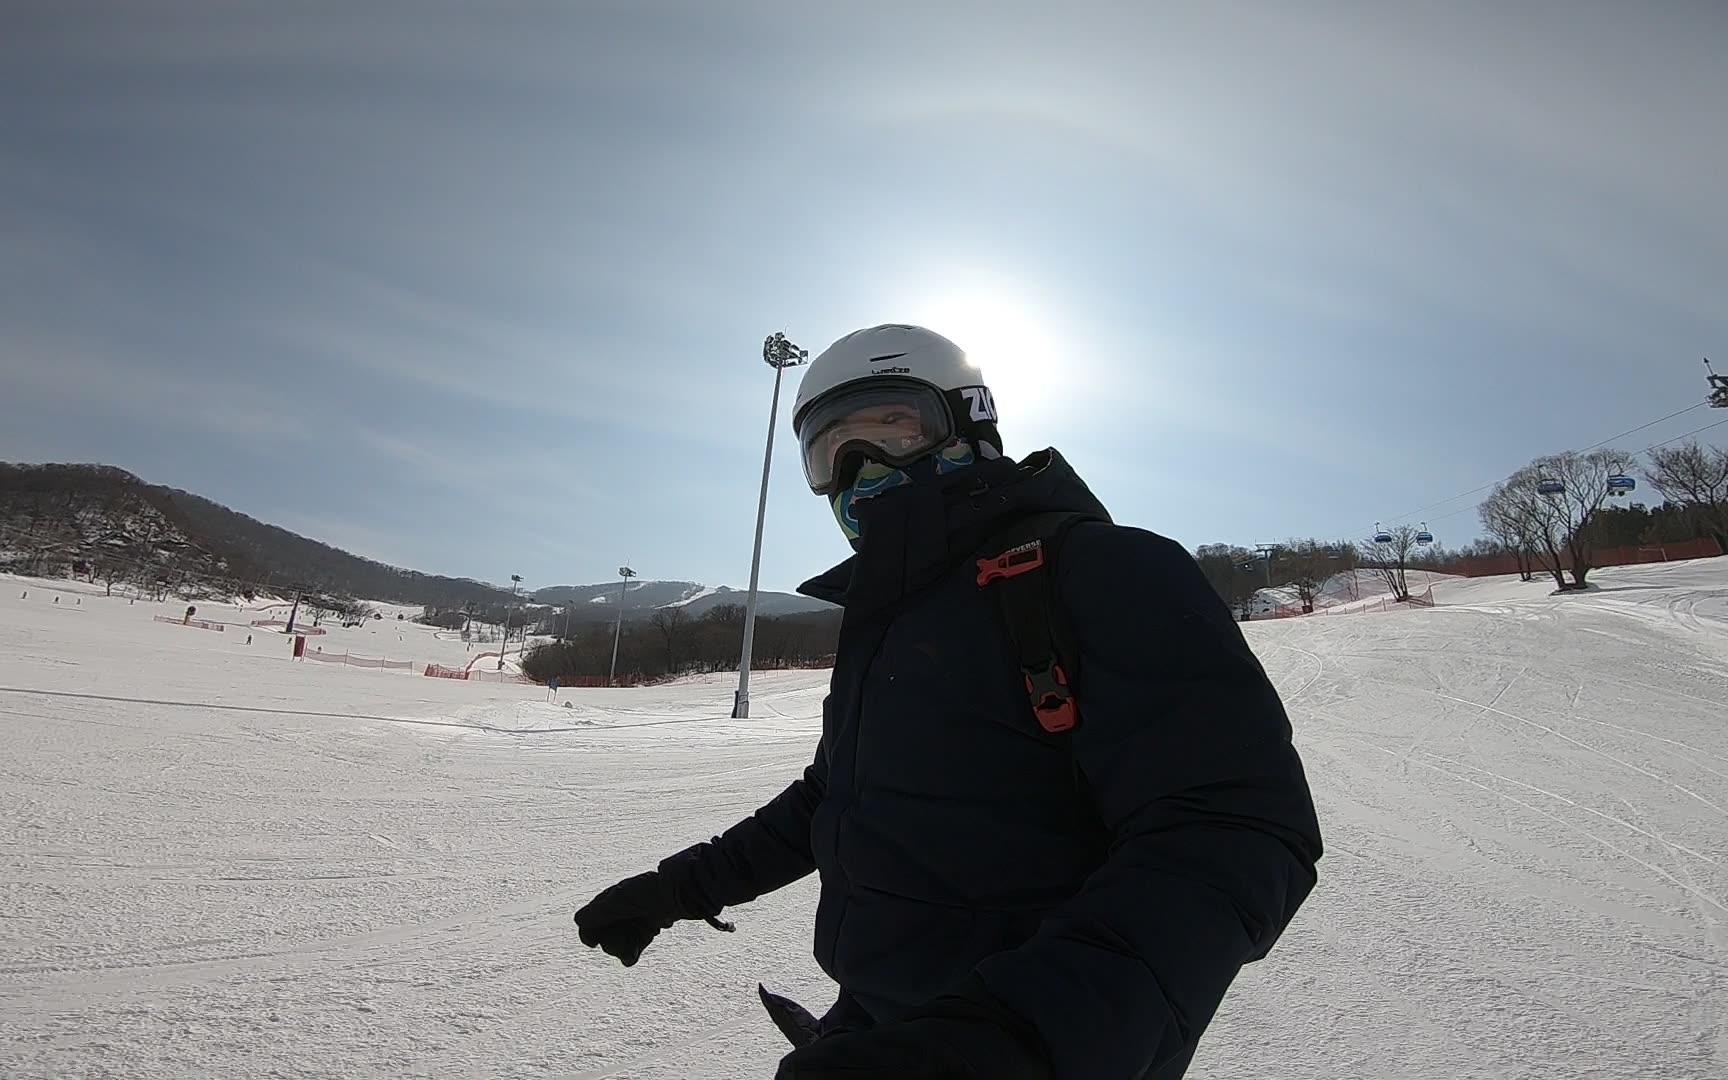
(217, 862)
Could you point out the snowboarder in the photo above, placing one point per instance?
(1055, 806)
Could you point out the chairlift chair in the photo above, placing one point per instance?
(1550, 486)
(1620, 485)
(1718, 386)
(1424, 537)
(1381, 536)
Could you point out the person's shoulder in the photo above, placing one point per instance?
(1106, 567)
(1127, 544)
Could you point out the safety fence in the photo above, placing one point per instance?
(439, 671)
(280, 624)
(499, 677)
(1424, 599)
(590, 682)
(360, 661)
(1491, 565)
(198, 624)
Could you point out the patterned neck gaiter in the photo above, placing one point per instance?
(875, 478)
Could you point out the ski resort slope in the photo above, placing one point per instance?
(216, 862)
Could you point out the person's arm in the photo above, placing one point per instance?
(1185, 748)
(766, 851)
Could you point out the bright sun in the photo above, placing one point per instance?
(1007, 338)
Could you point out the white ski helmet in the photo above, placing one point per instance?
(892, 393)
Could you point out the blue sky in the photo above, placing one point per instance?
(481, 289)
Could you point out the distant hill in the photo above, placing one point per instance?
(106, 522)
(596, 603)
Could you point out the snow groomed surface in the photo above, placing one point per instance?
(215, 861)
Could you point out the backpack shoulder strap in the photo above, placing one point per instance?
(1019, 565)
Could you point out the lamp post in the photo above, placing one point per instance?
(779, 354)
(504, 638)
(626, 574)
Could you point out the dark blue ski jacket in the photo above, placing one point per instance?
(1104, 885)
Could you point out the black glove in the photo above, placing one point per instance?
(623, 919)
(952, 1039)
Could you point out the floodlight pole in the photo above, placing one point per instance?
(626, 574)
(504, 638)
(779, 354)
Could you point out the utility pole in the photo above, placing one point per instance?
(779, 354)
(626, 574)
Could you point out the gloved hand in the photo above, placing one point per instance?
(625, 918)
(954, 1039)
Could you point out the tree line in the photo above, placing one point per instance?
(671, 643)
(1554, 514)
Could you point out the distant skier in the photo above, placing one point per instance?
(1055, 806)
(552, 688)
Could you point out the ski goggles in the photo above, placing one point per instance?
(893, 421)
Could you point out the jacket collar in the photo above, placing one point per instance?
(915, 536)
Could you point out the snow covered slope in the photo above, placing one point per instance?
(217, 862)
(600, 602)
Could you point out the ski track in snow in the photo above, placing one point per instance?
(216, 862)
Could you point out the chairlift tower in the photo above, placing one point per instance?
(1718, 386)
(1266, 552)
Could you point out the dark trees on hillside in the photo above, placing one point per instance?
(1696, 478)
(677, 645)
(672, 624)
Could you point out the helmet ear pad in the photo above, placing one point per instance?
(973, 409)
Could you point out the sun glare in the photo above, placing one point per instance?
(1008, 339)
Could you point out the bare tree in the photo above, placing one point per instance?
(1586, 479)
(1507, 517)
(1390, 558)
(1695, 477)
(1549, 505)
(110, 570)
(1222, 566)
(670, 623)
(1308, 565)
